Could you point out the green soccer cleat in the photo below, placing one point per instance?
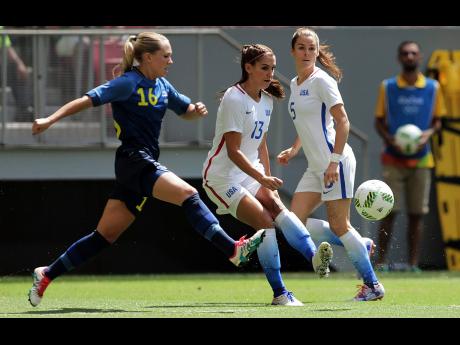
(245, 247)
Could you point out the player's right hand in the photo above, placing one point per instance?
(271, 182)
(40, 125)
(285, 156)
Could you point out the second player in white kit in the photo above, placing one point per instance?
(317, 110)
(309, 106)
(236, 173)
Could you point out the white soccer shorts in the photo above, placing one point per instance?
(227, 194)
(342, 189)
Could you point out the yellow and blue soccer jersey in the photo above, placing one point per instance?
(400, 104)
(139, 105)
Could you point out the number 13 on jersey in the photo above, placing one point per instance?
(258, 130)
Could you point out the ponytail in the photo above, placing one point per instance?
(327, 59)
(128, 58)
(276, 89)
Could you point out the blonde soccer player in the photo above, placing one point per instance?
(140, 95)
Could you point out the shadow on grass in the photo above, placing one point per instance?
(333, 309)
(188, 306)
(241, 305)
(208, 305)
(73, 310)
(211, 305)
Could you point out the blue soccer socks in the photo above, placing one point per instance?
(359, 257)
(296, 234)
(269, 258)
(78, 253)
(207, 225)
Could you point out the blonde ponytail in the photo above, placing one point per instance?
(134, 47)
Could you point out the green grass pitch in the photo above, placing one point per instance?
(429, 294)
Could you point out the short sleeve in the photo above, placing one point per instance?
(231, 114)
(380, 106)
(329, 92)
(118, 89)
(176, 102)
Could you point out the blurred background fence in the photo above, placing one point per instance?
(62, 64)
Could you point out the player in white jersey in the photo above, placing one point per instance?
(315, 105)
(236, 174)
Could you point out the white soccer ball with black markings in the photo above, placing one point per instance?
(407, 137)
(374, 200)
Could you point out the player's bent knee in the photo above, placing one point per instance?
(108, 236)
(275, 210)
(188, 192)
(111, 233)
(264, 223)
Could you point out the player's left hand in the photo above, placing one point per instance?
(200, 109)
(285, 156)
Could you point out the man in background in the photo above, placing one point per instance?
(408, 98)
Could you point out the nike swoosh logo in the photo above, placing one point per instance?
(327, 191)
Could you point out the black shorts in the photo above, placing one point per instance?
(136, 173)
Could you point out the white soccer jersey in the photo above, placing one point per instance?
(237, 112)
(309, 106)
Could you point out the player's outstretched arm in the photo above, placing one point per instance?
(42, 124)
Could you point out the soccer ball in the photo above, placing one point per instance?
(407, 138)
(374, 200)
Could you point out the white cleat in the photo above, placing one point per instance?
(366, 293)
(287, 299)
(39, 286)
(245, 247)
(321, 259)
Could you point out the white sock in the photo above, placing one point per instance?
(357, 252)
